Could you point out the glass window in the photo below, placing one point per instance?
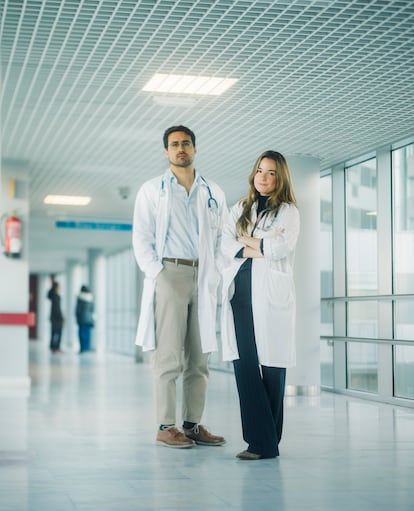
(326, 236)
(326, 326)
(362, 319)
(404, 320)
(361, 233)
(404, 371)
(403, 211)
(327, 366)
(362, 366)
(326, 276)
(404, 355)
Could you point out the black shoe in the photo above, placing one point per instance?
(246, 455)
(249, 456)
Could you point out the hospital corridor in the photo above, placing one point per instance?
(85, 440)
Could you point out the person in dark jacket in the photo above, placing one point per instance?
(56, 318)
(84, 317)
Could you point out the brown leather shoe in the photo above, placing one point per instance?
(172, 437)
(246, 455)
(201, 436)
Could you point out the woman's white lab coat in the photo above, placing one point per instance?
(273, 291)
(150, 225)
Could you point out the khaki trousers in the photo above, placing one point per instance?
(178, 345)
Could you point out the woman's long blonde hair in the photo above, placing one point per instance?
(282, 193)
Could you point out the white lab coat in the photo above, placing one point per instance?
(273, 291)
(150, 226)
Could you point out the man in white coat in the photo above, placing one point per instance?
(176, 237)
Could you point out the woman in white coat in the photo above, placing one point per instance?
(258, 305)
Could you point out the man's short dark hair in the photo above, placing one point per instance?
(173, 129)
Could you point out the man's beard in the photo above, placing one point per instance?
(183, 163)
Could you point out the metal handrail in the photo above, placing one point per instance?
(367, 298)
(371, 340)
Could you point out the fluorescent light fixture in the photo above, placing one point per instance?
(188, 84)
(67, 200)
(371, 213)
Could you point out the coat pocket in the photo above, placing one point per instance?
(280, 288)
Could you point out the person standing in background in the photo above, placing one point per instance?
(56, 317)
(84, 317)
(258, 305)
(176, 236)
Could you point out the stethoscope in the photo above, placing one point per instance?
(212, 203)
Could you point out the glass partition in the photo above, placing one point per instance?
(326, 272)
(326, 266)
(403, 211)
(404, 320)
(404, 371)
(362, 320)
(362, 366)
(327, 363)
(367, 274)
(361, 228)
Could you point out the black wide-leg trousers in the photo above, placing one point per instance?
(261, 388)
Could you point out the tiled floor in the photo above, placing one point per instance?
(84, 440)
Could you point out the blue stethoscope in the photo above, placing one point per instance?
(212, 203)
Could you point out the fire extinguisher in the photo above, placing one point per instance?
(12, 236)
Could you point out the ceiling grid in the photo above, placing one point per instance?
(112, 106)
(327, 78)
(121, 113)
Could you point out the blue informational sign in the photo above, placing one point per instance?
(102, 226)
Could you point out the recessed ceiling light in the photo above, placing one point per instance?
(188, 84)
(67, 200)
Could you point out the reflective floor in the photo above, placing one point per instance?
(84, 440)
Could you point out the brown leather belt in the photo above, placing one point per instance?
(185, 262)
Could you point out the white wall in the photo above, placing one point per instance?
(14, 286)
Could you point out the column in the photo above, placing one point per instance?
(304, 379)
(97, 282)
(72, 287)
